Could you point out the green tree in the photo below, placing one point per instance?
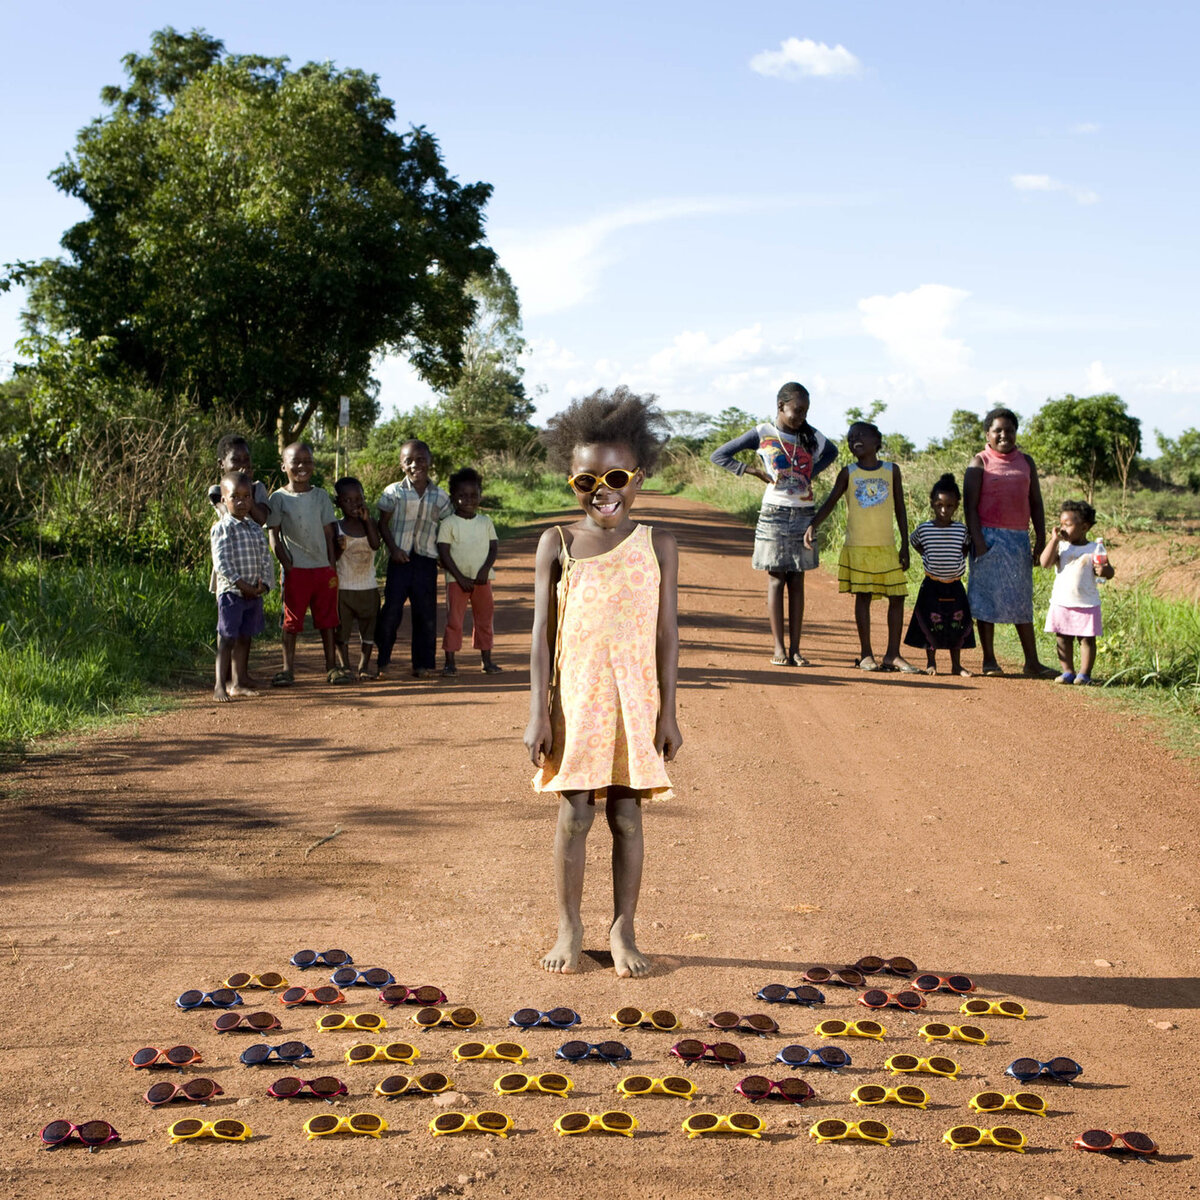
(1180, 459)
(965, 434)
(1082, 436)
(256, 235)
(689, 428)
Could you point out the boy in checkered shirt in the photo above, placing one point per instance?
(242, 565)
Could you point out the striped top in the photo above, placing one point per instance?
(942, 548)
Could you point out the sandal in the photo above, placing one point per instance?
(283, 679)
(780, 660)
(798, 660)
(899, 664)
(992, 669)
(866, 664)
(339, 675)
(491, 669)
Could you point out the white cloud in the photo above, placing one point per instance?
(912, 325)
(1099, 380)
(1085, 127)
(796, 57)
(1046, 183)
(690, 350)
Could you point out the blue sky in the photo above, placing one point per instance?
(939, 205)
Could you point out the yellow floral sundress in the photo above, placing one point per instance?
(604, 697)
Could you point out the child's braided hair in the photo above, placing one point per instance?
(619, 416)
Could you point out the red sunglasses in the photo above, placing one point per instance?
(878, 998)
(694, 1050)
(90, 1133)
(176, 1056)
(426, 995)
(759, 1087)
(201, 1091)
(1105, 1139)
(303, 995)
(949, 983)
(258, 1022)
(326, 1087)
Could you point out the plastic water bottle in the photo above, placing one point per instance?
(1100, 557)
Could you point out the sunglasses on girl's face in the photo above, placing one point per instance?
(585, 483)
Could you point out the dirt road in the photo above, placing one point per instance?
(1016, 831)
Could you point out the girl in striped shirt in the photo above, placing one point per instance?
(941, 619)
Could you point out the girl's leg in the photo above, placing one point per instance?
(895, 626)
(575, 813)
(862, 618)
(987, 643)
(956, 667)
(1066, 653)
(795, 589)
(624, 813)
(1029, 648)
(1087, 655)
(775, 581)
(241, 669)
(224, 661)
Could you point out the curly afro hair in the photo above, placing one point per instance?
(617, 417)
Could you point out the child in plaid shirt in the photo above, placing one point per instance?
(242, 566)
(409, 512)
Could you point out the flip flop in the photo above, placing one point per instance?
(899, 664)
(994, 669)
(283, 679)
(798, 660)
(866, 664)
(339, 675)
(781, 660)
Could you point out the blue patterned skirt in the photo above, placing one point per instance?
(1000, 587)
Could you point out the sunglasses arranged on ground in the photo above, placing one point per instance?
(1005, 1136)
(324, 958)
(397, 993)
(780, 993)
(551, 1082)
(91, 1133)
(833, 1130)
(334, 1021)
(484, 1122)
(1065, 1070)
(694, 1050)
(847, 976)
(943, 983)
(866, 1029)
(610, 1052)
(559, 1018)
(759, 1087)
(613, 1121)
(399, 1085)
(371, 977)
(635, 1018)
(669, 1085)
(260, 1053)
(1104, 1139)
(872, 964)
(175, 1056)
(994, 1008)
(270, 980)
(219, 998)
(199, 1090)
(393, 1052)
(226, 1130)
(833, 1057)
(324, 1124)
(738, 1122)
(730, 1022)
(936, 1065)
(505, 1051)
(878, 998)
(258, 1022)
(325, 1086)
(872, 1093)
(939, 1030)
(1029, 1102)
(460, 1018)
(585, 483)
(319, 995)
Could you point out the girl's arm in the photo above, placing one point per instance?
(722, 456)
(371, 527)
(539, 738)
(839, 487)
(1049, 554)
(331, 549)
(972, 486)
(827, 457)
(667, 738)
(488, 563)
(446, 558)
(901, 515)
(1037, 510)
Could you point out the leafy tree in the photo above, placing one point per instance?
(877, 409)
(965, 434)
(1081, 436)
(1180, 459)
(255, 235)
(689, 428)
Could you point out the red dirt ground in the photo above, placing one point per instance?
(1017, 831)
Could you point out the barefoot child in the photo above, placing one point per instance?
(358, 593)
(242, 568)
(302, 526)
(233, 454)
(604, 660)
(467, 546)
(1075, 597)
(869, 565)
(941, 619)
(791, 452)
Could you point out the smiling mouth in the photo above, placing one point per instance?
(607, 508)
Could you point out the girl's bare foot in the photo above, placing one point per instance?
(628, 961)
(563, 957)
(221, 695)
(237, 690)
(963, 673)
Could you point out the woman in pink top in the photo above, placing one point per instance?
(1001, 496)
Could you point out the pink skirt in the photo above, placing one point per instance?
(1073, 622)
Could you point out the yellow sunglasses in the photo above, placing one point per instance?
(632, 1018)
(738, 1122)
(833, 1130)
(1029, 1102)
(939, 1030)
(867, 1029)
(331, 1022)
(270, 980)
(934, 1065)
(515, 1081)
(225, 1130)
(484, 1122)
(324, 1124)
(613, 1121)
(1004, 1136)
(504, 1051)
(669, 1085)
(392, 1052)
(585, 483)
(430, 1082)
(994, 1008)
(460, 1018)
(872, 1093)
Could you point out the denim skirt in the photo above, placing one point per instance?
(779, 539)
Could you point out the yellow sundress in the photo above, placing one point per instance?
(604, 698)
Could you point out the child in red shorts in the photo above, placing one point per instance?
(302, 526)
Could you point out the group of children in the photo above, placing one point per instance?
(328, 565)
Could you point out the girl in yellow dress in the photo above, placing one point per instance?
(604, 660)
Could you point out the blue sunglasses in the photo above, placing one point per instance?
(559, 1018)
